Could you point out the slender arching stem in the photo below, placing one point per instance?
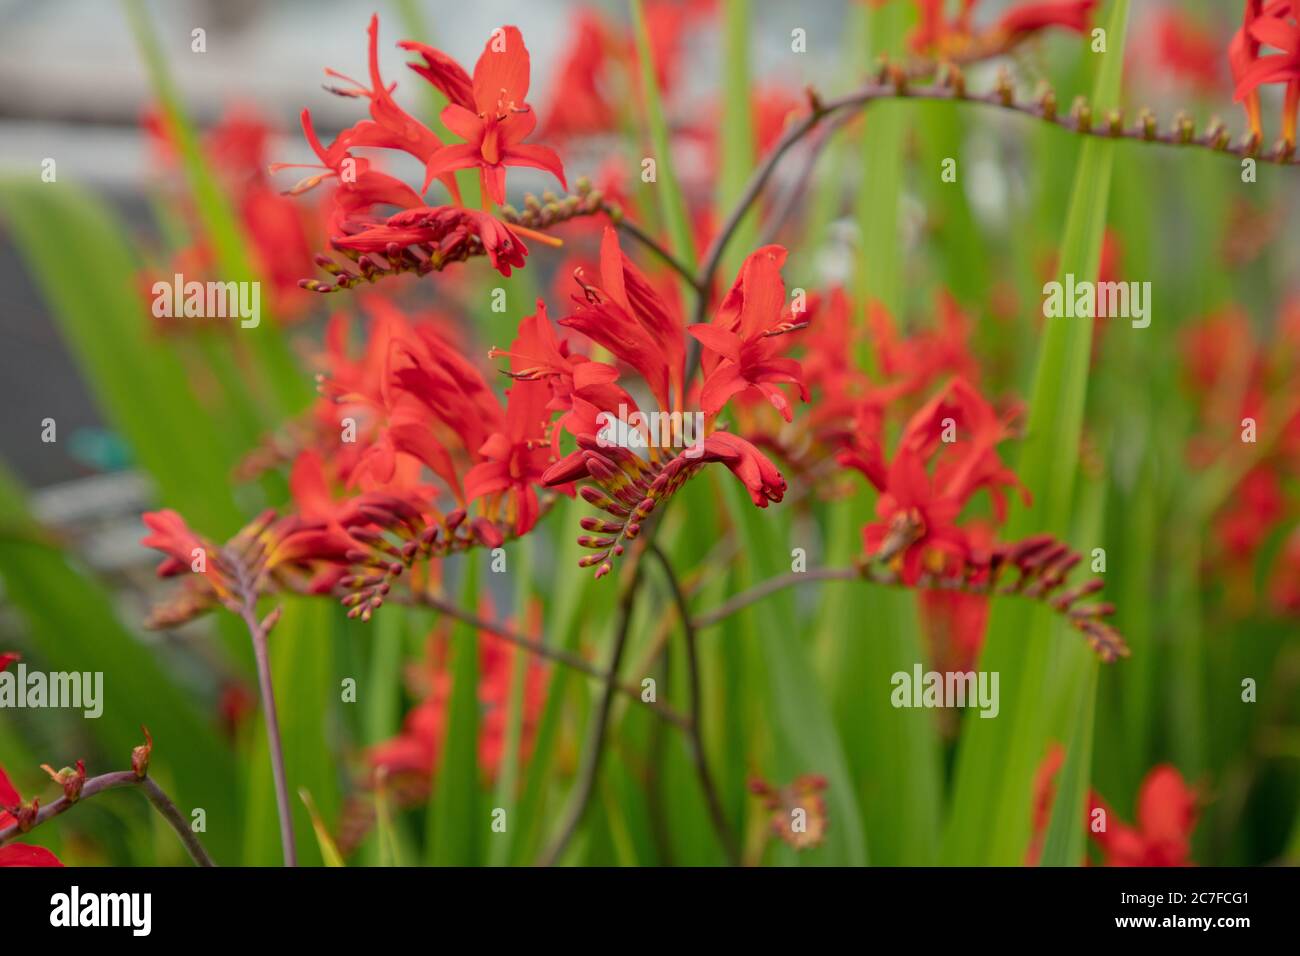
(119, 780)
(1082, 122)
(556, 654)
(694, 738)
(257, 631)
(594, 748)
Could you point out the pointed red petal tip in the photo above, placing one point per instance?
(9, 657)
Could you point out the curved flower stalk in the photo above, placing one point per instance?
(18, 818)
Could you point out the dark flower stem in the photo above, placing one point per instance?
(594, 749)
(769, 587)
(556, 654)
(1036, 583)
(257, 631)
(640, 235)
(119, 780)
(694, 738)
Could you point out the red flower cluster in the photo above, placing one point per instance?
(489, 111)
(957, 432)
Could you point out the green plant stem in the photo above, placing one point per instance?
(694, 737)
(119, 780)
(594, 749)
(260, 651)
(640, 235)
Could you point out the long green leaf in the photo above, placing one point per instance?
(279, 374)
(998, 757)
(306, 691)
(455, 820)
(805, 740)
(737, 140)
(672, 202)
(141, 387)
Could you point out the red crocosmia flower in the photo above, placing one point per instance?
(12, 809)
(22, 854)
(932, 26)
(392, 126)
(360, 188)
(578, 386)
(667, 23)
(1029, 18)
(977, 430)
(628, 316)
(1257, 504)
(429, 237)
(516, 458)
(579, 102)
(955, 622)
(917, 362)
(917, 530)
(756, 472)
(277, 228)
(489, 112)
(1187, 50)
(1243, 54)
(1277, 25)
(954, 36)
(742, 343)
(1166, 817)
(173, 537)
(1216, 348)
(917, 527)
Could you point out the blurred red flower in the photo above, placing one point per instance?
(1166, 817)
